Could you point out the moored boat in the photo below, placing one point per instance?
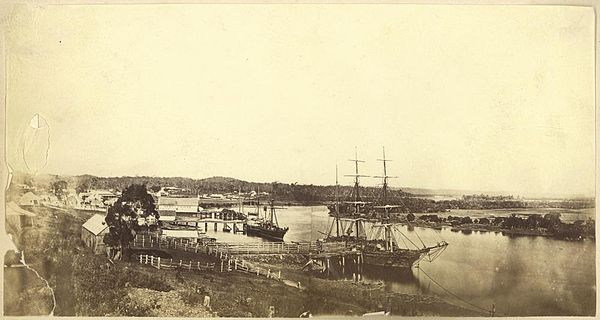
(267, 227)
(380, 247)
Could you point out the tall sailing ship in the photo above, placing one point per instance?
(356, 205)
(380, 247)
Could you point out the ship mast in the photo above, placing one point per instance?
(337, 202)
(258, 203)
(356, 179)
(385, 177)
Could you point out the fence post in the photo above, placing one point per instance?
(180, 262)
(221, 265)
(158, 262)
(146, 259)
(279, 275)
(152, 261)
(143, 241)
(190, 265)
(268, 273)
(235, 264)
(198, 265)
(141, 259)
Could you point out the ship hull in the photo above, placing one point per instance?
(271, 234)
(401, 259)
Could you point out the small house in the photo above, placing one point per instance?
(17, 218)
(29, 200)
(92, 233)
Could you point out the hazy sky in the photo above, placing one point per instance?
(466, 97)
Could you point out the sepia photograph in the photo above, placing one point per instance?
(285, 160)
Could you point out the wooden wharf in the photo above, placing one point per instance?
(326, 255)
(236, 225)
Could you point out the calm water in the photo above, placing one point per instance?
(520, 275)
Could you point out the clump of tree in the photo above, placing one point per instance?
(59, 188)
(128, 216)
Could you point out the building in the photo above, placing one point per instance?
(98, 199)
(30, 200)
(92, 233)
(187, 206)
(172, 207)
(17, 218)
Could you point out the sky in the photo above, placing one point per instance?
(497, 98)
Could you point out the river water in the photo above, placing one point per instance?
(521, 276)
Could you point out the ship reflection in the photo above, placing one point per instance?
(356, 272)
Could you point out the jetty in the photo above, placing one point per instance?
(323, 254)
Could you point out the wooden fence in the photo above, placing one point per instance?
(162, 263)
(155, 242)
(227, 265)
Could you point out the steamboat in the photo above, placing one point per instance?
(266, 226)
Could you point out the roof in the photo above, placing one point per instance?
(167, 201)
(29, 196)
(12, 209)
(95, 224)
(187, 201)
(178, 201)
(180, 233)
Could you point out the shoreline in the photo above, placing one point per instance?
(325, 296)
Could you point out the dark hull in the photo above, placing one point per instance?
(399, 259)
(275, 234)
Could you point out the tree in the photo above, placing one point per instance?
(127, 216)
(410, 217)
(466, 220)
(83, 186)
(59, 187)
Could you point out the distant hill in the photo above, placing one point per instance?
(286, 192)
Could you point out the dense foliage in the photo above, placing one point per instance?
(549, 223)
(128, 215)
